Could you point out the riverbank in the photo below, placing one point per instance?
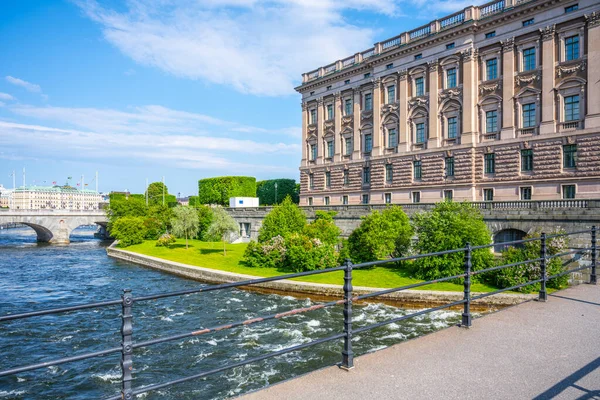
(316, 290)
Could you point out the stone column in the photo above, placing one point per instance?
(592, 119)
(377, 117)
(304, 134)
(402, 111)
(432, 128)
(356, 140)
(508, 89)
(547, 63)
(320, 144)
(470, 92)
(337, 127)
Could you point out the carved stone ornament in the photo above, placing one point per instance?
(312, 128)
(528, 78)
(417, 157)
(366, 114)
(346, 119)
(448, 153)
(402, 74)
(433, 66)
(488, 149)
(570, 140)
(593, 19)
(329, 124)
(388, 161)
(469, 54)
(376, 81)
(337, 96)
(304, 106)
(483, 89)
(418, 101)
(320, 101)
(454, 93)
(526, 145)
(389, 108)
(548, 32)
(508, 44)
(569, 69)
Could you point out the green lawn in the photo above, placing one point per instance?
(210, 255)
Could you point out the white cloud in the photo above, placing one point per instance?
(30, 87)
(6, 96)
(257, 47)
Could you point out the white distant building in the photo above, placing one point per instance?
(5, 197)
(237, 202)
(55, 198)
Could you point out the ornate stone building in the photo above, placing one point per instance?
(496, 102)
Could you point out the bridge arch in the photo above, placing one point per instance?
(507, 235)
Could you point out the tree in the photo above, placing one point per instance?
(274, 191)
(205, 216)
(382, 234)
(221, 227)
(323, 228)
(155, 193)
(450, 225)
(283, 220)
(218, 190)
(124, 207)
(185, 222)
(129, 230)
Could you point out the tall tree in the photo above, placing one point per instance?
(155, 193)
(185, 222)
(221, 227)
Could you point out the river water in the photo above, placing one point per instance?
(36, 276)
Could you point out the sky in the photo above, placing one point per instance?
(180, 89)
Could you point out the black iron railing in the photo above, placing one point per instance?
(127, 301)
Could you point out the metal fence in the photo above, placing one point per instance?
(127, 302)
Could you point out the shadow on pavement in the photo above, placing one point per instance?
(570, 382)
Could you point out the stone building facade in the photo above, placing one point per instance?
(494, 102)
(55, 198)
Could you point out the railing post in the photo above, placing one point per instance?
(126, 345)
(347, 353)
(593, 276)
(543, 295)
(466, 315)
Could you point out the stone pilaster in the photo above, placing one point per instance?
(470, 92)
(337, 128)
(304, 134)
(356, 139)
(403, 143)
(592, 119)
(548, 124)
(377, 131)
(508, 89)
(433, 131)
(320, 127)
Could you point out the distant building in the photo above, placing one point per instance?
(5, 197)
(55, 198)
(184, 201)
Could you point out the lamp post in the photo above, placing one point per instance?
(276, 193)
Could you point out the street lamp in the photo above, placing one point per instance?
(276, 193)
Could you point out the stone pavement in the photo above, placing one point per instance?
(530, 351)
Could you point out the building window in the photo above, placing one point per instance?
(491, 121)
(416, 197)
(490, 35)
(348, 107)
(450, 46)
(420, 137)
(529, 59)
(568, 191)
(313, 152)
(326, 200)
(392, 138)
(488, 194)
(346, 177)
(525, 193)
(389, 173)
(451, 78)
(572, 48)
(419, 86)
(327, 179)
(389, 66)
(490, 163)
(449, 167)
(391, 94)
(448, 195)
(365, 199)
(349, 147)
(572, 108)
(328, 87)
(368, 143)
(313, 116)
(526, 160)
(452, 127)
(388, 198)
(417, 173)
(345, 200)
(347, 82)
(368, 102)
(491, 69)
(418, 56)
(312, 93)
(529, 115)
(310, 201)
(330, 149)
(570, 156)
(571, 8)
(528, 22)
(329, 112)
(366, 175)
(311, 181)
(367, 75)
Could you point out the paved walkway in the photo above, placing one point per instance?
(530, 351)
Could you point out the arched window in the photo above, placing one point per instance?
(505, 236)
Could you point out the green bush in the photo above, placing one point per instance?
(193, 201)
(153, 227)
(323, 228)
(120, 206)
(270, 254)
(265, 191)
(218, 190)
(283, 220)
(450, 225)
(520, 274)
(129, 231)
(165, 240)
(382, 234)
(306, 254)
(205, 217)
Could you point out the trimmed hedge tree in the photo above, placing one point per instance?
(218, 190)
(265, 190)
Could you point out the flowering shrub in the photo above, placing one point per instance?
(306, 254)
(165, 240)
(266, 255)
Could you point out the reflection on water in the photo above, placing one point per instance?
(36, 276)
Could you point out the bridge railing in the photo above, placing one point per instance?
(128, 301)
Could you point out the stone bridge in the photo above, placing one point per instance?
(54, 226)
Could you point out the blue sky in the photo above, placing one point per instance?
(138, 89)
